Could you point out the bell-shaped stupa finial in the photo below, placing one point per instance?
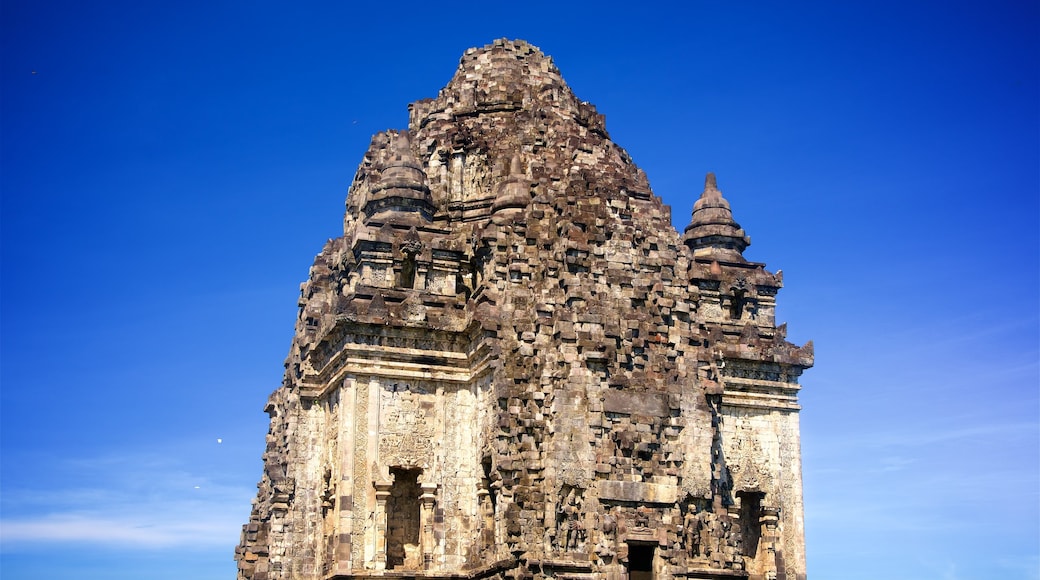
(511, 193)
(401, 194)
(712, 224)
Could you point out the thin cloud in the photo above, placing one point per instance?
(174, 528)
(967, 329)
(924, 435)
(923, 438)
(134, 501)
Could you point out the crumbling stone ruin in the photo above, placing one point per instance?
(512, 366)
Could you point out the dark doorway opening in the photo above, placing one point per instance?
(641, 561)
(402, 517)
(406, 279)
(750, 513)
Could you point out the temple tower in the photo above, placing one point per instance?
(512, 365)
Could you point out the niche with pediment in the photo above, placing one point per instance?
(407, 413)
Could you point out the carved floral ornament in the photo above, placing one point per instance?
(412, 247)
(749, 465)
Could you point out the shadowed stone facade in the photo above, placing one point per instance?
(512, 366)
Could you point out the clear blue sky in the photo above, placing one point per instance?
(169, 172)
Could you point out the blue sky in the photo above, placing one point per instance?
(169, 172)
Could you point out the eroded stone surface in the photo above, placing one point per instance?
(511, 365)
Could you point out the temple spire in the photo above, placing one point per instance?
(712, 224)
(401, 194)
(512, 193)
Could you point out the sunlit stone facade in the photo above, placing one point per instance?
(512, 366)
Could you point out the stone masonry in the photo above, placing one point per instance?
(512, 366)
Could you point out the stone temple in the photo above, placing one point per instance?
(512, 366)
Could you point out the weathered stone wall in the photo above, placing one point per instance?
(511, 365)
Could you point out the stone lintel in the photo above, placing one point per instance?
(765, 403)
(638, 492)
(472, 574)
(558, 564)
(635, 403)
(707, 573)
(461, 364)
(761, 394)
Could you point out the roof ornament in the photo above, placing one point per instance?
(712, 225)
(511, 194)
(401, 194)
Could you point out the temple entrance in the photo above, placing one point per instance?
(640, 561)
(402, 520)
(750, 514)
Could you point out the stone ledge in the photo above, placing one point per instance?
(637, 491)
(473, 574)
